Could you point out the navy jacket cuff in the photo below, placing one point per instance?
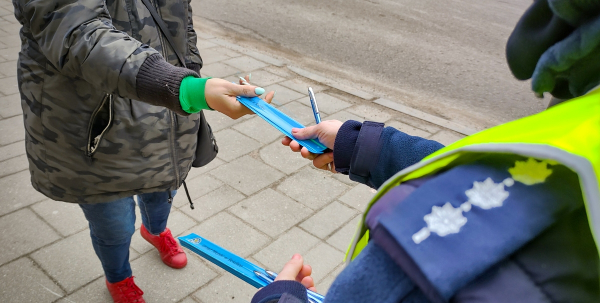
(276, 289)
(343, 146)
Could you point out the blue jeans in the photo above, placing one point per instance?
(112, 224)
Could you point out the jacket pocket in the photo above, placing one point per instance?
(100, 123)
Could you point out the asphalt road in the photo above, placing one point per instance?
(446, 57)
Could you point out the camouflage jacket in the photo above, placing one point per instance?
(99, 101)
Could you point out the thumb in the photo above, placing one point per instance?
(305, 133)
(291, 268)
(245, 90)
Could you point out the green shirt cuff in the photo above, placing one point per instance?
(191, 94)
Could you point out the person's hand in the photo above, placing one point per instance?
(220, 95)
(326, 131)
(296, 270)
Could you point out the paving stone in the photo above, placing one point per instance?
(10, 105)
(341, 239)
(232, 144)
(312, 188)
(197, 187)
(409, 129)
(29, 285)
(8, 86)
(358, 197)
(13, 165)
(323, 259)
(213, 202)
(177, 223)
(328, 219)
(344, 179)
(245, 63)
(218, 70)
(66, 218)
(23, 232)
(11, 53)
(161, 283)
(247, 174)
(284, 95)
(17, 192)
(12, 150)
(370, 113)
(343, 116)
(298, 112)
(282, 158)
(213, 55)
(270, 212)
(71, 261)
(263, 78)
(231, 233)
(446, 137)
(281, 71)
(11, 130)
(188, 300)
(278, 252)
(418, 123)
(300, 85)
(9, 68)
(94, 292)
(227, 288)
(203, 45)
(219, 121)
(258, 129)
(198, 171)
(327, 104)
(324, 285)
(5, 12)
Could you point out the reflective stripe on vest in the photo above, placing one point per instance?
(568, 133)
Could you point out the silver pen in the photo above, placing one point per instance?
(313, 103)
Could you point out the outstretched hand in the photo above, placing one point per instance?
(326, 132)
(296, 270)
(220, 95)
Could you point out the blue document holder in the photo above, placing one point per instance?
(280, 121)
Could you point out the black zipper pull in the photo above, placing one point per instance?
(170, 197)
(187, 193)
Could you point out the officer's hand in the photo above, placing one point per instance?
(326, 132)
(296, 270)
(220, 95)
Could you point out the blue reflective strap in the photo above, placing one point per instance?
(366, 151)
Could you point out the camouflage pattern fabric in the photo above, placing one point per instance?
(88, 138)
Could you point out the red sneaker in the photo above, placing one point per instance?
(125, 291)
(170, 251)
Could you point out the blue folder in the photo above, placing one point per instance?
(280, 121)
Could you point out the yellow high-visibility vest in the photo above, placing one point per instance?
(568, 133)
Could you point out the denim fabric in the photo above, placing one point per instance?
(112, 225)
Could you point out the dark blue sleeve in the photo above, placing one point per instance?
(281, 292)
(371, 154)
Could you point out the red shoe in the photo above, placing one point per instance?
(170, 251)
(125, 291)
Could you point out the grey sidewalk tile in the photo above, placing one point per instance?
(188, 300)
(256, 55)
(5, 12)
(370, 113)
(418, 123)
(10, 105)
(325, 284)
(12, 150)
(281, 72)
(298, 112)
(446, 137)
(22, 281)
(95, 292)
(197, 187)
(270, 212)
(264, 78)
(161, 283)
(341, 239)
(278, 252)
(247, 174)
(358, 197)
(345, 88)
(328, 104)
(23, 232)
(177, 223)
(283, 94)
(213, 202)
(323, 259)
(409, 129)
(283, 158)
(219, 121)
(227, 288)
(231, 233)
(204, 44)
(301, 86)
(344, 179)
(245, 63)
(17, 192)
(8, 86)
(66, 218)
(213, 55)
(218, 70)
(11, 53)
(343, 116)
(13, 165)
(71, 261)
(312, 188)
(11, 130)
(198, 171)
(328, 219)
(9, 68)
(232, 144)
(258, 129)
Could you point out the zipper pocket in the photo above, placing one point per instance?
(99, 124)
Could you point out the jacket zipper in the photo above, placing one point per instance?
(93, 143)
